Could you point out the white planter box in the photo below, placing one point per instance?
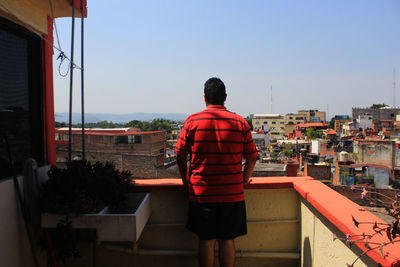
(110, 227)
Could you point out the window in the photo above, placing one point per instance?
(290, 118)
(257, 122)
(282, 128)
(265, 122)
(134, 139)
(21, 95)
(282, 122)
(62, 137)
(121, 139)
(274, 122)
(138, 139)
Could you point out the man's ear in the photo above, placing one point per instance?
(205, 99)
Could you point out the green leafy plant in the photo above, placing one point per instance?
(84, 187)
(312, 133)
(286, 150)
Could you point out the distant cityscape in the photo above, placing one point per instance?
(363, 148)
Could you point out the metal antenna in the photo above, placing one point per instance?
(327, 113)
(394, 87)
(271, 99)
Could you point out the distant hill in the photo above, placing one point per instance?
(119, 118)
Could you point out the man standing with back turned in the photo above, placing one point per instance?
(217, 140)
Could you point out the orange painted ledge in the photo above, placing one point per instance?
(255, 183)
(333, 206)
(339, 211)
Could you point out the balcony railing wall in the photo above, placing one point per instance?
(291, 222)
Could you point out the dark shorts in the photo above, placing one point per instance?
(223, 221)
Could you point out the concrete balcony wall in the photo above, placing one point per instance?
(14, 245)
(290, 223)
(273, 224)
(318, 247)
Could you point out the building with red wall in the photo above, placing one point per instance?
(139, 152)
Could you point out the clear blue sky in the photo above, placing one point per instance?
(154, 56)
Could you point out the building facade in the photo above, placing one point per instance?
(275, 123)
(339, 121)
(386, 113)
(314, 115)
(142, 153)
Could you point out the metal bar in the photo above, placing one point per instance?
(83, 80)
(71, 81)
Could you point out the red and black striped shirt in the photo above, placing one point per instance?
(217, 141)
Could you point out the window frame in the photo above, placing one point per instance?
(35, 93)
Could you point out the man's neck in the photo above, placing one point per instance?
(207, 105)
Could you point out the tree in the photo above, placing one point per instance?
(312, 133)
(378, 106)
(287, 150)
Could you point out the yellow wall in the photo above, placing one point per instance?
(295, 118)
(318, 247)
(279, 123)
(283, 230)
(272, 239)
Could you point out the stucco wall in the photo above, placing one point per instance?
(14, 245)
(381, 153)
(272, 239)
(318, 247)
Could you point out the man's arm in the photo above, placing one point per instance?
(182, 165)
(248, 169)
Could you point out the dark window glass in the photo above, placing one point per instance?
(121, 139)
(138, 139)
(21, 94)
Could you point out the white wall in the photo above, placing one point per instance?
(315, 146)
(381, 177)
(14, 245)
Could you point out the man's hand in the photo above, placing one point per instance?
(248, 181)
(248, 169)
(182, 166)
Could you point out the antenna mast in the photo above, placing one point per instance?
(394, 87)
(271, 99)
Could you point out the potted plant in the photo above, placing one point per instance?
(89, 195)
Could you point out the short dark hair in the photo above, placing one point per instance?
(214, 91)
